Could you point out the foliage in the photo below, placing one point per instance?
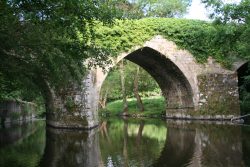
(152, 105)
(70, 104)
(151, 8)
(237, 18)
(40, 43)
(201, 38)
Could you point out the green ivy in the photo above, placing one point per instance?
(201, 38)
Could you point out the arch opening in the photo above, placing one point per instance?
(175, 87)
(244, 87)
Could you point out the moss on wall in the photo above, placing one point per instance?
(218, 94)
(201, 38)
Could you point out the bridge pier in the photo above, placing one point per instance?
(76, 107)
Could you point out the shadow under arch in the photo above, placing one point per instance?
(243, 87)
(174, 85)
(179, 148)
(242, 71)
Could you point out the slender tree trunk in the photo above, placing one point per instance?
(103, 99)
(124, 96)
(136, 92)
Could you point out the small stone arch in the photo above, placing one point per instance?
(242, 69)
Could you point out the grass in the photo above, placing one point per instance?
(152, 105)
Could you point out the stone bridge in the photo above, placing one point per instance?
(192, 90)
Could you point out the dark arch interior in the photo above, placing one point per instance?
(174, 85)
(242, 72)
(244, 87)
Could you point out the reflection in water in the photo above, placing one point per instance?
(179, 147)
(23, 145)
(246, 144)
(131, 143)
(67, 148)
(125, 143)
(220, 145)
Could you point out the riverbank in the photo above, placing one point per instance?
(154, 107)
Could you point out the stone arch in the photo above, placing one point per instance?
(173, 69)
(174, 85)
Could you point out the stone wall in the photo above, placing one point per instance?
(219, 94)
(12, 111)
(76, 106)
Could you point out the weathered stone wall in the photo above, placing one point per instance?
(12, 111)
(218, 94)
(75, 107)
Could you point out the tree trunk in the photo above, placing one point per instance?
(124, 96)
(136, 92)
(103, 99)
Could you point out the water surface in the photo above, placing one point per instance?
(125, 143)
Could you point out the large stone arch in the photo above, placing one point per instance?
(175, 70)
(174, 85)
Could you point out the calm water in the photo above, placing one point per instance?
(126, 143)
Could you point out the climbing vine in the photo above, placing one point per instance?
(201, 38)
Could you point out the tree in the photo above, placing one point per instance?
(47, 41)
(124, 95)
(135, 9)
(136, 91)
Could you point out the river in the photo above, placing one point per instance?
(127, 143)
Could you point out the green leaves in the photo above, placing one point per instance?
(202, 39)
(137, 9)
(40, 40)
